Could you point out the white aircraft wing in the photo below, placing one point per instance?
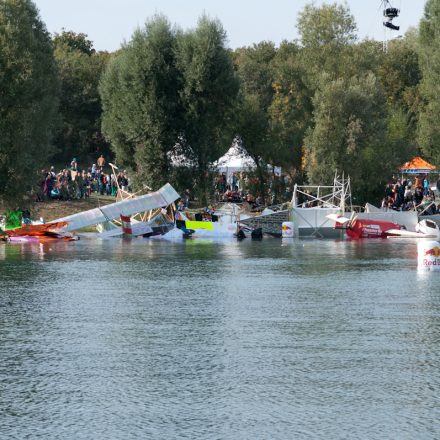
(158, 199)
(338, 219)
(403, 233)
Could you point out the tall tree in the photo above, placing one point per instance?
(326, 33)
(429, 41)
(399, 74)
(330, 24)
(350, 135)
(140, 94)
(74, 41)
(208, 95)
(28, 97)
(254, 67)
(290, 110)
(80, 69)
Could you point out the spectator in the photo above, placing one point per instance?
(101, 162)
(425, 186)
(48, 185)
(418, 195)
(74, 165)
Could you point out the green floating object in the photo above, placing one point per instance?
(13, 220)
(199, 225)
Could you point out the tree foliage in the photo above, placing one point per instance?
(330, 24)
(429, 40)
(80, 69)
(141, 103)
(327, 34)
(73, 41)
(254, 67)
(208, 93)
(349, 134)
(290, 110)
(28, 97)
(324, 103)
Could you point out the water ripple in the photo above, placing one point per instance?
(312, 340)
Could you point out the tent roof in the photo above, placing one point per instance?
(417, 165)
(235, 158)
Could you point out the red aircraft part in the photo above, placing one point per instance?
(360, 228)
(41, 233)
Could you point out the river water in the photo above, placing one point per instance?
(218, 340)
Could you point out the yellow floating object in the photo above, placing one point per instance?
(199, 225)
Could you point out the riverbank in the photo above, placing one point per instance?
(55, 209)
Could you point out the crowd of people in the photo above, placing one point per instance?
(72, 182)
(406, 195)
(240, 187)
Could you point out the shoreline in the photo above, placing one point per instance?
(54, 209)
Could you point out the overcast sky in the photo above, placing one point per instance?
(109, 22)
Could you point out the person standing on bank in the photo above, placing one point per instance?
(101, 162)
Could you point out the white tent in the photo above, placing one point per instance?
(237, 159)
(234, 160)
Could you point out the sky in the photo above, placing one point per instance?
(108, 23)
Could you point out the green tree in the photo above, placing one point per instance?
(350, 135)
(208, 94)
(326, 34)
(429, 40)
(141, 104)
(72, 40)
(290, 110)
(399, 74)
(80, 69)
(326, 25)
(254, 67)
(28, 97)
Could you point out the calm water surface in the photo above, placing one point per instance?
(204, 340)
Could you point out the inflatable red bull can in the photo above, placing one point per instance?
(428, 255)
(287, 230)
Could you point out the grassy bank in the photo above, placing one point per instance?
(54, 209)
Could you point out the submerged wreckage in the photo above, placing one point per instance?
(153, 211)
(151, 215)
(153, 207)
(320, 212)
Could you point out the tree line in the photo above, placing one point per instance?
(323, 103)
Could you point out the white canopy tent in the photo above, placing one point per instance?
(237, 159)
(234, 160)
